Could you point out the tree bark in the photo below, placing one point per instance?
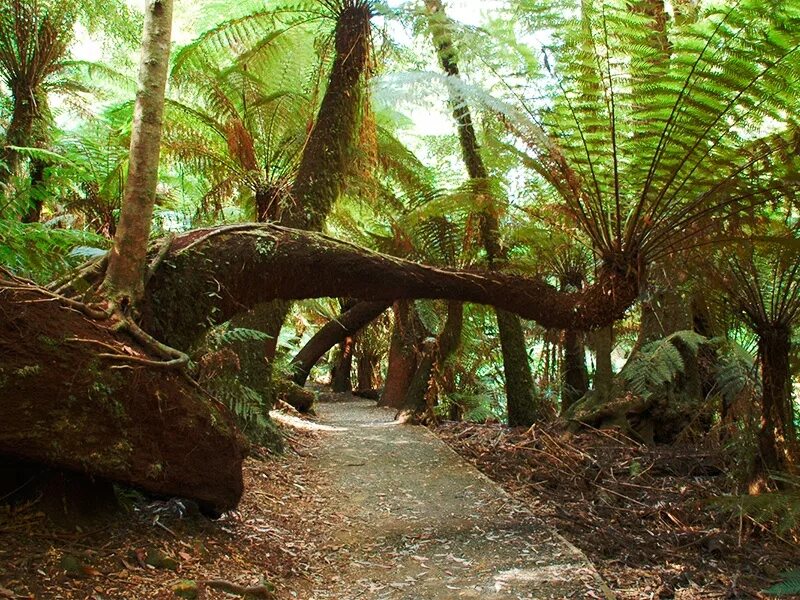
(404, 347)
(209, 276)
(329, 150)
(520, 392)
(776, 436)
(434, 354)
(124, 281)
(65, 405)
(346, 324)
(603, 342)
(341, 380)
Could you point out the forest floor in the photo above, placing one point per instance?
(361, 508)
(657, 522)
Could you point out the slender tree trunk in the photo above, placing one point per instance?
(124, 281)
(574, 375)
(341, 381)
(520, 393)
(367, 365)
(346, 324)
(34, 212)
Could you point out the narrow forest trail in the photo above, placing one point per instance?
(420, 523)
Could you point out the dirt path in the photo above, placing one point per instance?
(420, 523)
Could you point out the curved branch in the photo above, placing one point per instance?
(215, 279)
(345, 325)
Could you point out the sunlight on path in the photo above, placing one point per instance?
(423, 524)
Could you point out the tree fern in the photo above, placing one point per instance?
(788, 586)
(660, 362)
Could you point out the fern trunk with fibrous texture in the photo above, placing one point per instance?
(329, 149)
(435, 353)
(209, 275)
(777, 438)
(520, 393)
(404, 347)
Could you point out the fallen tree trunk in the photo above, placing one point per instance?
(63, 404)
(347, 324)
(211, 275)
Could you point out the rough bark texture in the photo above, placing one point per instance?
(211, 275)
(521, 402)
(777, 439)
(434, 354)
(603, 342)
(125, 275)
(404, 347)
(320, 177)
(520, 392)
(346, 324)
(63, 405)
(341, 381)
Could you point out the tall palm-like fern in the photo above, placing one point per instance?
(241, 120)
(34, 40)
(763, 286)
(646, 153)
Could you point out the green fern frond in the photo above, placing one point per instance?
(789, 586)
(660, 362)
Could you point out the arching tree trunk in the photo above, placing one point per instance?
(124, 281)
(349, 323)
(196, 286)
(520, 393)
(341, 381)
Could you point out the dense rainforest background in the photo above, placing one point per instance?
(577, 217)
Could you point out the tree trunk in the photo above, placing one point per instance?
(520, 392)
(341, 382)
(195, 285)
(65, 405)
(329, 150)
(575, 380)
(346, 324)
(34, 212)
(521, 401)
(404, 346)
(434, 354)
(124, 281)
(603, 342)
(368, 362)
(19, 133)
(776, 436)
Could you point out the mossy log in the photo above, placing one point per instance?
(62, 404)
(213, 274)
(299, 398)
